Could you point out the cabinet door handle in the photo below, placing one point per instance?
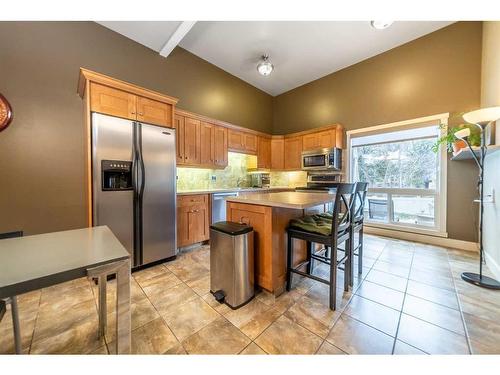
(141, 114)
(133, 113)
(242, 221)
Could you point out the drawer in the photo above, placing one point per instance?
(192, 200)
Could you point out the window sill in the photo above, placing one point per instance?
(429, 232)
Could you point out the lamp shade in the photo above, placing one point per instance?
(462, 133)
(483, 115)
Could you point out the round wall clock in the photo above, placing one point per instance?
(5, 113)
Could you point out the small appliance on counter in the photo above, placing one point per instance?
(260, 180)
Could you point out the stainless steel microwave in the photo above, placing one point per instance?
(322, 159)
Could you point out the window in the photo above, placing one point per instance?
(407, 180)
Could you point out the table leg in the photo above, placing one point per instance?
(123, 323)
(16, 325)
(102, 280)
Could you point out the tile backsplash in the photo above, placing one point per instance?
(290, 179)
(236, 171)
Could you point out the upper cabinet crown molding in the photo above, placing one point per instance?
(87, 75)
(121, 99)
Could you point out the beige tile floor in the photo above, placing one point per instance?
(408, 300)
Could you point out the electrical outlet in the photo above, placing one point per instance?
(213, 178)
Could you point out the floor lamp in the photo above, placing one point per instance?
(481, 118)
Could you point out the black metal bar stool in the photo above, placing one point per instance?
(13, 304)
(330, 232)
(357, 223)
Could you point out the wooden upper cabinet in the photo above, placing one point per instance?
(154, 112)
(110, 101)
(264, 153)
(250, 142)
(220, 146)
(213, 145)
(236, 140)
(207, 149)
(192, 141)
(240, 141)
(321, 139)
(293, 151)
(278, 153)
(113, 97)
(179, 138)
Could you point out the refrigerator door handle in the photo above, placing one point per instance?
(140, 192)
(136, 183)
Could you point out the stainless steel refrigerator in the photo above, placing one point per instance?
(134, 185)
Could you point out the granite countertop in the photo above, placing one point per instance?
(230, 190)
(289, 199)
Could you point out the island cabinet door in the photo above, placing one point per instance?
(260, 218)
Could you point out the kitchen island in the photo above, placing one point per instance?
(269, 215)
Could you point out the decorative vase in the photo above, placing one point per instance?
(458, 145)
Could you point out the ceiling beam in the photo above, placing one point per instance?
(176, 37)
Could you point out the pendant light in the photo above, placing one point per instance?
(380, 25)
(265, 67)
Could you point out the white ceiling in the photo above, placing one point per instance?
(301, 51)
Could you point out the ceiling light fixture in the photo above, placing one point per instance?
(380, 25)
(265, 67)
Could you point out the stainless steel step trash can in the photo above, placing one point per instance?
(232, 263)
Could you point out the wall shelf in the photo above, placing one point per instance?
(465, 154)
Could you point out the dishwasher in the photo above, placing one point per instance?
(219, 205)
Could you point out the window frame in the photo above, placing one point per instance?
(440, 193)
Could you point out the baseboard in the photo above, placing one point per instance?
(423, 238)
(492, 265)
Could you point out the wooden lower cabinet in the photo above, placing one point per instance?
(193, 213)
(270, 239)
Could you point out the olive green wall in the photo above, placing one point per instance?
(42, 152)
(440, 72)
